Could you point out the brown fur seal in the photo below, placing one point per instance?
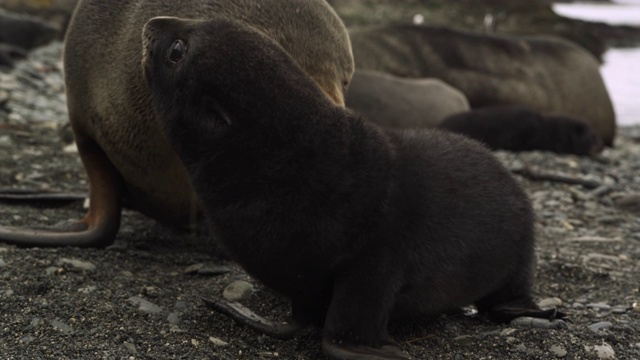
(355, 224)
(109, 102)
(403, 103)
(516, 128)
(548, 75)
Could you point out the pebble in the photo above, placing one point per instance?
(550, 303)
(558, 351)
(151, 291)
(238, 290)
(536, 323)
(217, 342)
(465, 340)
(599, 306)
(145, 305)
(619, 309)
(88, 289)
(2, 263)
(64, 328)
(174, 318)
(629, 202)
(597, 327)
(604, 351)
(78, 264)
(131, 347)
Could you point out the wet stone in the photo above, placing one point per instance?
(78, 264)
(131, 347)
(64, 328)
(604, 351)
(599, 326)
(145, 305)
(2, 263)
(599, 306)
(619, 309)
(550, 303)
(218, 342)
(174, 318)
(238, 290)
(558, 351)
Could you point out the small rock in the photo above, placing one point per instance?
(79, 264)
(217, 342)
(465, 340)
(604, 351)
(619, 309)
(629, 202)
(174, 318)
(51, 270)
(87, 289)
(5, 141)
(64, 328)
(131, 347)
(2, 263)
(145, 305)
(550, 303)
(536, 323)
(151, 291)
(597, 327)
(558, 351)
(213, 270)
(193, 268)
(26, 339)
(238, 290)
(599, 306)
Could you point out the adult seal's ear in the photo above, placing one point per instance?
(117, 133)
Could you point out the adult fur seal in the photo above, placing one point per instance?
(355, 224)
(403, 103)
(109, 102)
(546, 74)
(516, 128)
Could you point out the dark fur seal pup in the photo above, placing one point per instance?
(516, 128)
(403, 103)
(118, 138)
(355, 224)
(546, 74)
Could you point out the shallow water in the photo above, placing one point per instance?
(621, 68)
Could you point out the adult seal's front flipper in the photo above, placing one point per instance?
(248, 318)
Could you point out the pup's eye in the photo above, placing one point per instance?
(176, 51)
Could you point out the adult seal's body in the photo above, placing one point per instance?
(403, 103)
(546, 74)
(516, 128)
(110, 111)
(354, 223)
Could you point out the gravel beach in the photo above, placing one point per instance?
(140, 298)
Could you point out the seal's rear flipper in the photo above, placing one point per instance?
(20, 195)
(359, 352)
(507, 312)
(247, 317)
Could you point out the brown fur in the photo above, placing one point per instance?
(110, 106)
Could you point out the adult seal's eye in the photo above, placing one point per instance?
(176, 51)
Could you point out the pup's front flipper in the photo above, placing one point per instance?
(247, 317)
(359, 352)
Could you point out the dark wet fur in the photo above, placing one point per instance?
(353, 223)
(516, 128)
